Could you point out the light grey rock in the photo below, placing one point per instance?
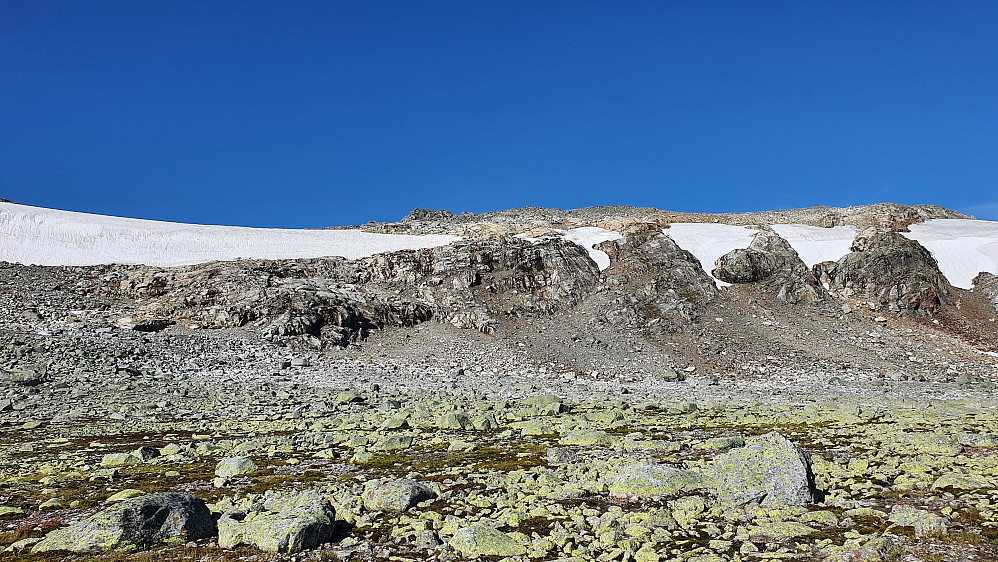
(395, 495)
(235, 466)
(290, 525)
(769, 469)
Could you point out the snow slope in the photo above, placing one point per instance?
(962, 247)
(815, 244)
(33, 235)
(589, 236)
(709, 241)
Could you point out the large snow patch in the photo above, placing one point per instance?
(589, 236)
(962, 247)
(709, 241)
(815, 244)
(32, 235)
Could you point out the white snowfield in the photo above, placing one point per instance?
(815, 244)
(589, 236)
(709, 241)
(34, 235)
(963, 248)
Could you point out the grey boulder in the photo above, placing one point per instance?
(769, 470)
(290, 525)
(135, 523)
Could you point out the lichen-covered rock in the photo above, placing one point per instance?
(235, 466)
(482, 540)
(771, 260)
(769, 469)
(896, 272)
(957, 481)
(395, 495)
(922, 521)
(876, 549)
(135, 523)
(289, 525)
(781, 530)
(651, 480)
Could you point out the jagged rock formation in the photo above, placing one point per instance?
(661, 284)
(890, 216)
(771, 260)
(899, 274)
(427, 214)
(335, 300)
(987, 284)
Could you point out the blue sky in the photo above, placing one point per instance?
(311, 114)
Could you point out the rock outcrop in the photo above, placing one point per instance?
(662, 284)
(987, 284)
(771, 260)
(337, 301)
(896, 273)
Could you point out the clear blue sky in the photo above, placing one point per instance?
(320, 113)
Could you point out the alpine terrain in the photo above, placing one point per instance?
(610, 383)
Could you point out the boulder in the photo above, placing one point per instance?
(482, 540)
(235, 466)
(653, 480)
(395, 495)
(289, 525)
(769, 469)
(26, 376)
(135, 523)
(924, 523)
(987, 284)
(771, 260)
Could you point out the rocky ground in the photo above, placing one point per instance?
(446, 406)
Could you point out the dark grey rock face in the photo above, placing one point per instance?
(137, 522)
(898, 273)
(987, 284)
(665, 283)
(771, 260)
(317, 301)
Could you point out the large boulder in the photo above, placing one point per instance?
(771, 260)
(287, 524)
(135, 523)
(895, 272)
(395, 495)
(769, 469)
